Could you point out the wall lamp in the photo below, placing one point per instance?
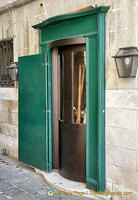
(13, 71)
(126, 61)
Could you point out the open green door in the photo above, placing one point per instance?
(34, 112)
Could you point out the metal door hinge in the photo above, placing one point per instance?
(46, 64)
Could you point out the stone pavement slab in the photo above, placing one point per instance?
(18, 182)
(4, 185)
(12, 192)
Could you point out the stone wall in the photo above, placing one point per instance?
(121, 102)
(121, 94)
(9, 122)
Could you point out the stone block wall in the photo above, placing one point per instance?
(9, 122)
(121, 94)
(121, 102)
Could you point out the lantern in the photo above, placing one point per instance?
(127, 62)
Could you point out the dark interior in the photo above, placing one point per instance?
(72, 122)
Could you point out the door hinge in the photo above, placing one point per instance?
(46, 64)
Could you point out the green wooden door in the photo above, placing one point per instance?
(33, 119)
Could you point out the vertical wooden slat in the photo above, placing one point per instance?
(62, 88)
(79, 96)
(83, 78)
(68, 86)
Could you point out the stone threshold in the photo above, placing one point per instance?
(69, 187)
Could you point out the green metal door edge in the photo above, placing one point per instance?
(54, 29)
(48, 110)
(46, 51)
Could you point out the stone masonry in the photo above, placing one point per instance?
(9, 122)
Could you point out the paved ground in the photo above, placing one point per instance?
(18, 182)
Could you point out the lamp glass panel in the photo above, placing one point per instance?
(124, 65)
(134, 66)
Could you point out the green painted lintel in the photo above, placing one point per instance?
(59, 18)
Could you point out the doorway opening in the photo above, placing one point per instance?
(69, 108)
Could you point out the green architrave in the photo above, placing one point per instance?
(90, 24)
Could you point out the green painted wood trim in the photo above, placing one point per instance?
(60, 18)
(91, 116)
(46, 50)
(57, 31)
(49, 110)
(46, 93)
(95, 102)
(101, 102)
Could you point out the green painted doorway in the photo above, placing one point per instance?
(72, 26)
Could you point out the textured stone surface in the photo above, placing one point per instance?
(131, 196)
(9, 146)
(127, 99)
(137, 161)
(124, 138)
(9, 121)
(121, 157)
(15, 119)
(6, 117)
(8, 129)
(122, 176)
(121, 118)
(9, 93)
(137, 120)
(109, 186)
(18, 182)
(9, 105)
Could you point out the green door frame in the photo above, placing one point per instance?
(90, 24)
